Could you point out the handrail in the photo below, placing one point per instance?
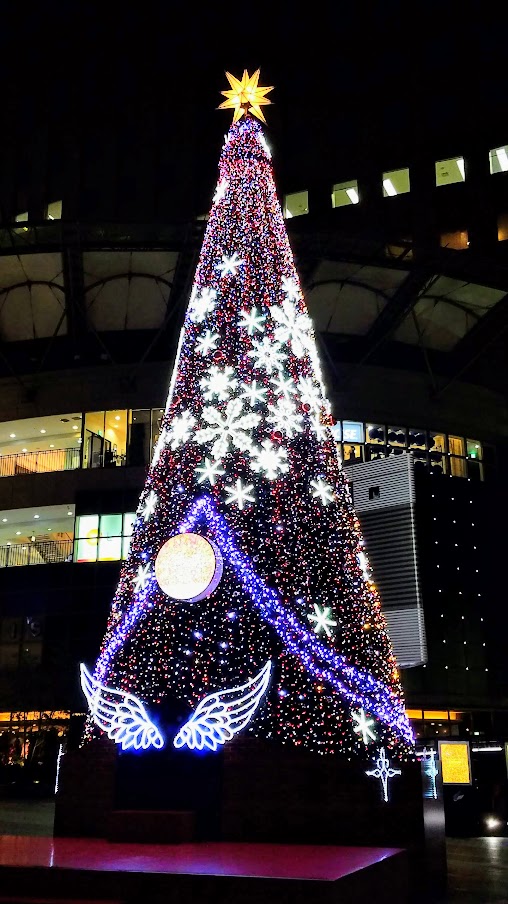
(38, 552)
(40, 462)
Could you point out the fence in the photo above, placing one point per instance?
(40, 552)
(40, 462)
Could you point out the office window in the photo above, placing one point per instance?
(458, 240)
(103, 538)
(352, 452)
(54, 211)
(375, 433)
(352, 432)
(474, 449)
(87, 534)
(139, 444)
(105, 439)
(296, 204)
(396, 182)
(498, 160)
(437, 449)
(456, 449)
(450, 171)
(397, 437)
(21, 217)
(417, 439)
(128, 525)
(344, 193)
(110, 538)
(502, 227)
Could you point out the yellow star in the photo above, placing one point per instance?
(245, 96)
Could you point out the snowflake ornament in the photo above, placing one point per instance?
(207, 343)
(253, 393)
(220, 191)
(284, 418)
(309, 393)
(240, 494)
(293, 327)
(363, 726)
(322, 490)
(201, 304)
(267, 355)
(142, 577)
(159, 445)
(251, 321)
(284, 386)
(149, 505)
(232, 429)
(291, 288)
(209, 470)
(270, 460)
(181, 429)
(318, 428)
(322, 620)
(219, 383)
(229, 264)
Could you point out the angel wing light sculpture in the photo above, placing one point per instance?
(223, 714)
(120, 715)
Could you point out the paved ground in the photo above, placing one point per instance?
(477, 867)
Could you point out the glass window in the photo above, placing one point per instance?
(437, 448)
(344, 193)
(54, 210)
(458, 240)
(400, 252)
(296, 204)
(110, 538)
(397, 436)
(474, 448)
(396, 182)
(450, 170)
(375, 433)
(455, 445)
(139, 446)
(105, 439)
(352, 432)
(87, 533)
(457, 466)
(502, 227)
(157, 418)
(21, 217)
(352, 452)
(417, 439)
(498, 160)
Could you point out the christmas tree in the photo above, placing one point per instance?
(246, 596)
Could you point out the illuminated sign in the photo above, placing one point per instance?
(352, 432)
(455, 762)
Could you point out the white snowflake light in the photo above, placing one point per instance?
(310, 394)
(322, 490)
(284, 386)
(240, 494)
(318, 428)
(218, 383)
(363, 726)
(159, 445)
(267, 355)
(262, 140)
(207, 343)
(149, 505)
(284, 418)
(253, 393)
(209, 470)
(322, 620)
(201, 304)
(291, 288)
(143, 576)
(180, 429)
(220, 191)
(270, 460)
(292, 327)
(251, 321)
(234, 428)
(229, 264)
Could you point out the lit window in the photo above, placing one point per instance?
(352, 431)
(296, 204)
(128, 524)
(474, 448)
(498, 160)
(87, 533)
(344, 193)
(451, 170)
(103, 538)
(396, 182)
(455, 445)
(21, 217)
(397, 436)
(352, 452)
(502, 227)
(54, 211)
(110, 538)
(459, 240)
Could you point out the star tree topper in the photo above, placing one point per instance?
(245, 96)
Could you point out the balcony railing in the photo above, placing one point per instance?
(40, 552)
(40, 462)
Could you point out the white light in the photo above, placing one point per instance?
(460, 164)
(37, 516)
(389, 187)
(74, 427)
(18, 532)
(363, 726)
(352, 195)
(69, 513)
(492, 822)
(24, 450)
(59, 757)
(502, 156)
(43, 431)
(12, 435)
(486, 749)
(322, 620)
(4, 520)
(117, 417)
(51, 445)
(121, 715)
(223, 714)
(188, 567)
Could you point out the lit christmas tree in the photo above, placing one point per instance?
(246, 596)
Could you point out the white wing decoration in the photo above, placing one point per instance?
(223, 714)
(121, 715)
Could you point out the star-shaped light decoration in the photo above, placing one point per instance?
(209, 470)
(240, 494)
(322, 490)
(252, 320)
(363, 726)
(322, 620)
(383, 771)
(149, 505)
(229, 264)
(245, 96)
(143, 576)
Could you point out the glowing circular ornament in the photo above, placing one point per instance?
(188, 567)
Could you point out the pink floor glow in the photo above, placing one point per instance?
(274, 861)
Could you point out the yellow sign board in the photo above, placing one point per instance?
(455, 762)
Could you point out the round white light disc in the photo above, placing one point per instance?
(188, 567)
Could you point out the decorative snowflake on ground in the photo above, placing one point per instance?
(209, 470)
(149, 504)
(207, 343)
(240, 493)
(251, 321)
(322, 490)
(234, 428)
(293, 327)
(291, 288)
(201, 303)
(283, 417)
(219, 383)
(229, 264)
(220, 191)
(253, 393)
(267, 355)
(284, 386)
(270, 460)
(180, 429)
(322, 620)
